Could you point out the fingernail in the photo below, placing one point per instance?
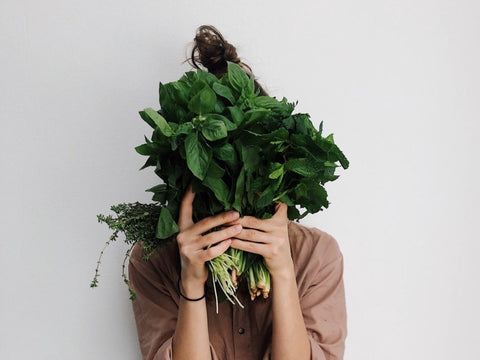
(237, 227)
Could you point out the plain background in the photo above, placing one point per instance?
(397, 82)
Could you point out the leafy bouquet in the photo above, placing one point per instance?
(240, 151)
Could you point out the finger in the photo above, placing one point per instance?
(217, 250)
(254, 235)
(186, 209)
(253, 222)
(252, 247)
(281, 211)
(214, 221)
(220, 235)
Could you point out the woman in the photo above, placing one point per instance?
(305, 315)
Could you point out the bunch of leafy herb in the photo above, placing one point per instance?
(240, 151)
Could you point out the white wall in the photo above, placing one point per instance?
(396, 82)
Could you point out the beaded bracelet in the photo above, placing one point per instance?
(186, 298)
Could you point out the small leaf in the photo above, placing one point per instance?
(215, 170)
(239, 191)
(225, 152)
(236, 76)
(166, 226)
(159, 121)
(228, 124)
(304, 166)
(214, 129)
(237, 114)
(203, 102)
(277, 171)
(158, 188)
(224, 91)
(219, 188)
(198, 155)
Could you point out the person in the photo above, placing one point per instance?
(303, 318)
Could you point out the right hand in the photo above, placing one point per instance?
(193, 246)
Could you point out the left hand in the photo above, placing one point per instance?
(269, 238)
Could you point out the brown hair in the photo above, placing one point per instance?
(214, 52)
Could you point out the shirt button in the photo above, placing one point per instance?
(241, 331)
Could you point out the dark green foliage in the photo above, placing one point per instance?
(239, 150)
(264, 152)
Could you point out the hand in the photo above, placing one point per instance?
(269, 238)
(195, 249)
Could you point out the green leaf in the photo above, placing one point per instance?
(147, 149)
(236, 76)
(147, 119)
(226, 152)
(237, 114)
(203, 102)
(255, 115)
(207, 77)
(311, 195)
(158, 188)
(250, 157)
(166, 226)
(159, 121)
(341, 157)
(219, 188)
(215, 170)
(276, 170)
(279, 107)
(265, 199)
(239, 191)
(330, 164)
(304, 167)
(160, 193)
(228, 124)
(214, 129)
(151, 161)
(198, 155)
(320, 128)
(304, 125)
(184, 128)
(224, 91)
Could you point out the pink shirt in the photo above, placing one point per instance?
(245, 334)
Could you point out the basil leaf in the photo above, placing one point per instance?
(239, 191)
(166, 226)
(159, 121)
(226, 152)
(224, 91)
(214, 129)
(236, 76)
(198, 155)
(203, 102)
(219, 188)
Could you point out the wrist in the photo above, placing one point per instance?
(285, 273)
(192, 288)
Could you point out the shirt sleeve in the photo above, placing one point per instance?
(324, 309)
(155, 308)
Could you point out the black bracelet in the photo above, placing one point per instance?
(186, 298)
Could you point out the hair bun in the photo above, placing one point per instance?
(213, 50)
